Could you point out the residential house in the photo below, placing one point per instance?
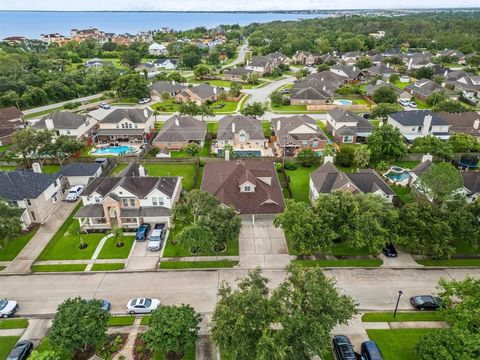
(471, 185)
(298, 132)
(423, 88)
(251, 187)
(463, 123)
(68, 123)
(238, 74)
(11, 119)
(376, 59)
(96, 63)
(167, 64)
(13, 40)
(327, 179)
(316, 88)
(179, 131)
(351, 57)
(160, 87)
(81, 173)
(382, 70)
(348, 127)
(157, 49)
(352, 73)
(199, 94)
(402, 94)
(92, 33)
(378, 35)
(419, 170)
(467, 84)
(54, 38)
(128, 202)
(418, 123)
(417, 61)
(126, 124)
(306, 58)
(244, 133)
(124, 40)
(263, 65)
(37, 193)
(453, 54)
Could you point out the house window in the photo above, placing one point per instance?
(130, 220)
(97, 200)
(304, 142)
(33, 216)
(55, 183)
(29, 203)
(247, 188)
(157, 201)
(348, 139)
(315, 143)
(414, 129)
(125, 202)
(132, 202)
(68, 132)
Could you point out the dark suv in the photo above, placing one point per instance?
(142, 232)
(21, 351)
(343, 348)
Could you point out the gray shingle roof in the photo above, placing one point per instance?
(182, 129)
(20, 185)
(416, 118)
(287, 124)
(424, 87)
(471, 181)
(134, 115)
(250, 125)
(80, 169)
(62, 120)
(165, 86)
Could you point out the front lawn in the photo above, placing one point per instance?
(340, 263)
(217, 83)
(124, 320)
(111, 251)
(197, 264)
(13, 324)
(166, 106)
(421, 104)
(169, 169)
(65, 246)
(6, 345)
(108, 267)
(59, 268)
(401, 316)
(299, 182)
(398, 344)
(15, 245)
(224, 107)
(451, 262)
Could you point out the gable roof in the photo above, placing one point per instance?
(238, 71)
(9, 113)
(416, 118)
(248, 124)
(204, 91)
(471, 181)
(285, 127)
(422, 168)
(134, 115)
(424, 87)
(223, 179)
(62, 120)
(20, 185)
(182, 129)
(166, 86)
(463, 122)
(80, 169)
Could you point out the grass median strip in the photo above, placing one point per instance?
(121, 321)
(197, 264)
(15, 245)
(401, 316)
(398, 344)
(108, 267)
(111, 251)
(451, 262)
(6, 345)
(340, 263)
(59, 268)
(13, 324)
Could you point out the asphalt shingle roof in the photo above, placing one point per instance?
(250, 125)
(134, 115)
(20, 185)
(182, 129)
(62, 120)
(416, 118)
(80, 169)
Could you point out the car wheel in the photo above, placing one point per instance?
(4, 316)
(131, 312)
(422, 309)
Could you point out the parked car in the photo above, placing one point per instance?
(343, 348)
(144, 101)
(155, 240)
(425, 302)
(21, 351)
(74, 193)
(142, 306)
(142, 232)
(389, 250)
(404, 102)
(105, 304)
(104, 105)
(8, 308)
(412, 104)
(370, 351)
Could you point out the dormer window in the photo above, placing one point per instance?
(247, 188)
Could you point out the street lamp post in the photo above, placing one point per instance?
(400, 293)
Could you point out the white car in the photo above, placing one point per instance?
(104, 105)
(404, 102)
(8, 308)
(413, 104)
(74, 193)
(144, 101)
(142, 306)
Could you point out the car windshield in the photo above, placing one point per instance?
(3, 303)
(72, 192)
(148, 302)
(424, 299)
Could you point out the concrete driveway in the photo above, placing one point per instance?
(262, 94)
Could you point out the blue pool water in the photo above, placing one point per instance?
(398, 177)
(115, 150)
(243, 153)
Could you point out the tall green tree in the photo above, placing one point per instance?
(172, 331)
(433, 145)
(386, 143)
(132, 85)
(10, 224)
(362, 156)
(441, 181)
(201, 70)
(131, 58)
(385, 94)
(255, 110)
(307, 157)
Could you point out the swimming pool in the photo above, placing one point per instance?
(343, 102)
(115, 150)
(397, 177)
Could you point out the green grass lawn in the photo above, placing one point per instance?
(218, 83)
(121, 320)
(8, 168)
(451, 262)
(111, 251)
(340, 263)
(228, 107)
(2, 268)
(59, 268)
(421, 104)
(299, 182)
(118, 169)
(205, 151)
(398, 344)
(6, 345)
(401, 85)
(403, 193)
(108, 267)
(15, 245)
(465, 248)
(401, 316)
(166, 106)
(212, 127)
(323, 127)
(169, 169)
(197, 264)
(13, 324)
(290, 108)
(267, 128)
(405, 164)
(64, 246)
(47, 169)
(341, 249)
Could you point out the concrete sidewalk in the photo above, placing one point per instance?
(35, 246)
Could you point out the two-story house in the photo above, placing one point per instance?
(11, 119)
(348, 127)
(468, 84)
(423, 88)
(157, 49)
(128, 202)
(179, 131)
(251, 187)
(34, 191)
(418, 123)
(298, 132)
(158, 88)
(327, 179)
(467, 122)
(128, 124)
(199, 94)
(68, 123)
(243, 133)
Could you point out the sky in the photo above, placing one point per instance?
(225, 5)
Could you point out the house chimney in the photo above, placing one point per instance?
(427, 121)
(427, 157)
(227, 155)
(177, 123)
(354, 68)
(279, 125)
(173, 82)
(145, 112)
(328, 158)
(476, 123)
(445, 73)
(215, 90)
(324, 88)
(141, 171)
(49, 124)
(37, 168)
(233, 127)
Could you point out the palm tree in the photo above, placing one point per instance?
(78, 231)
(117, 235)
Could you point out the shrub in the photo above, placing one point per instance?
(290, 166)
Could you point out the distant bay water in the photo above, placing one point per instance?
(33, 23)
